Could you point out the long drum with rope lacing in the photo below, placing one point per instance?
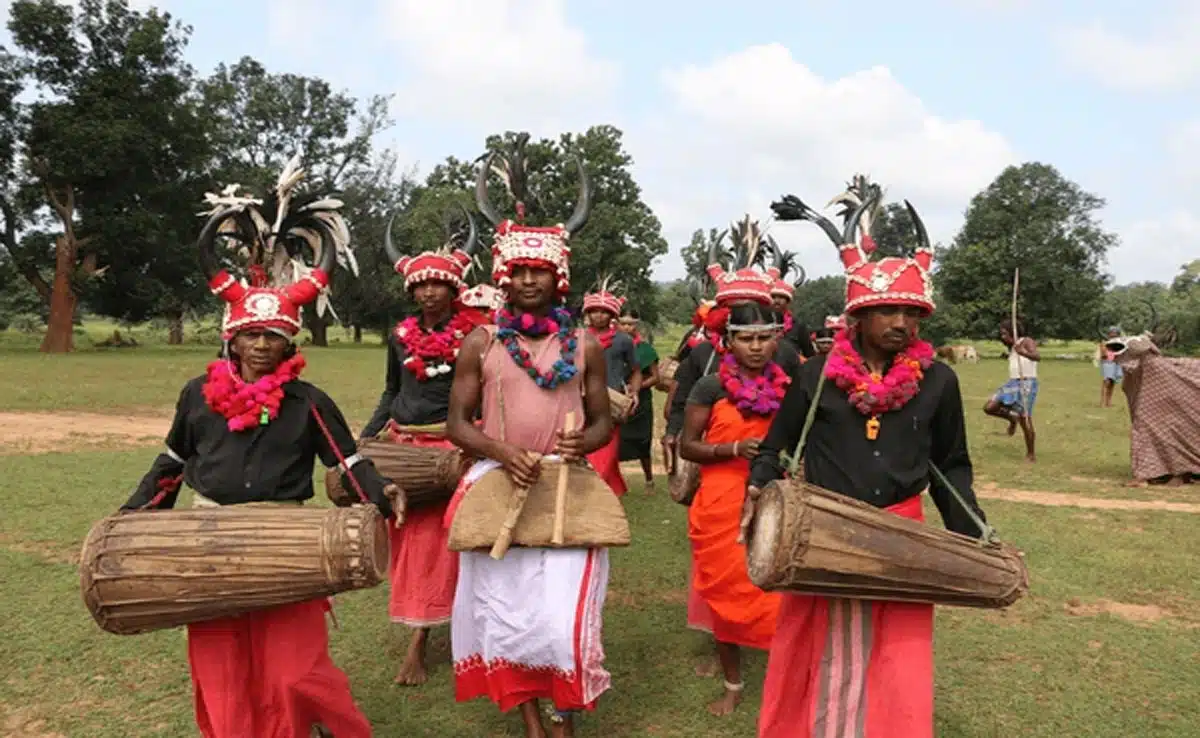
(808, 540)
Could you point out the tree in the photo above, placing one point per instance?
(695, 254)
(622, 238)
(264, 119)
(111, 158)
(817, 298)
(894, 232)
(1033, 218)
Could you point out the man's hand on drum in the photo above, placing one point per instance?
(752, 494)
(398, 499)
(523, 466)
(570, 445)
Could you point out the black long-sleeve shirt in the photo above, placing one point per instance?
(798, 337)
(697, 365)
(890, 469)
(268, 463)
(406, 399)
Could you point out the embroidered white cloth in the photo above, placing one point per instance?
(529, 625)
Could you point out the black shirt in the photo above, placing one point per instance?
(620, 360)
(406, 399)
(890, 469)
(697, 365)
(798, 337)
(268, 463)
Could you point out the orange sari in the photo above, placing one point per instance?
(742, 614)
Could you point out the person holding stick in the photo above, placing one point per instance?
(877, 420)
(1014, 401)
(526, 626)
(728, 413)
(421, 352)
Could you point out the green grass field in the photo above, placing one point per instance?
(1107, 644)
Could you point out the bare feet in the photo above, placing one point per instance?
(320, 731)
(708, 666)
(565, 729)
(1012, 425)
(727, 703)
(412, 671)
(1031, 458)
(650, 486)
(1175, 481)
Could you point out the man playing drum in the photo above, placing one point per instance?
(420, 369)
(249, 431)
(601, 310)
(886, 412)
(527, 627)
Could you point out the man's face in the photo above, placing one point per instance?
(889, 328)
(780, 303)
(823, 345)
(1006, 336)
(433, 297)
(532, 288)
(260, 351)
(627, 324)
(599, 319)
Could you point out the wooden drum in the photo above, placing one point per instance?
(666, 374)
(594, 519)
(619, 403)
(145, 571)
(427, 475)
(684, 483)
(809, 540)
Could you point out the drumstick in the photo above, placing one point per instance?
(560, 494)
(515, 506)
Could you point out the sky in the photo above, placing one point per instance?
(726, 106)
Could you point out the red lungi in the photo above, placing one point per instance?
(423, 570)
(699, 614)
(844, 668)
(606, 460)
(268, 674)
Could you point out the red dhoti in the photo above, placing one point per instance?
(699, 614)
(423, 570)
(844, 668)
(268, 674)
(606, 460)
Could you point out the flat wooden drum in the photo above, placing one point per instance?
(619, 404)
(144, 571)
(809, 540)
(427, 475)
(666, 374)
(684, 483)
(595, 517)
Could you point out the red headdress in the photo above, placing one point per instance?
(742, 282)
(483, 297)
(270, 233)
(835, 322)
(604, 298)
(887, 281)
(447, 264)
(517, 244)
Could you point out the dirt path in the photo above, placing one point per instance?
(39, 433)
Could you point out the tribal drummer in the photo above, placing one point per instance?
(527, 627)
(888, 414)
(422, 350)
(601, 309)
(248, 431)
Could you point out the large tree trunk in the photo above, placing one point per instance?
(60, 328)
(317, 326)
(174, 328)
(358, 334)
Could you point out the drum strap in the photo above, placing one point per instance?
(338, 453)
(989, 533)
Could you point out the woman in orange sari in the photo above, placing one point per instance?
(728, 413)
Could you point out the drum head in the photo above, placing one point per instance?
(766, 528)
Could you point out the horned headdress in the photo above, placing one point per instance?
(784, 265)
(447, 264)
(741, 281)
(271, 233)
(887, 281)
(517, 244)
(604, 297)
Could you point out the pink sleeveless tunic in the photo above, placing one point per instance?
(529, 625)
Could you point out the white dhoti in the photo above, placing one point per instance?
(529, 625)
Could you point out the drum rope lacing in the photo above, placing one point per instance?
(988, 533)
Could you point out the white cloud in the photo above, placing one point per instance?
(1153, 250)
(749, 127)
(1164, 61)
(497, 63)
(1182, 144)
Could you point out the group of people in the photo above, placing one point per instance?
(496, 370)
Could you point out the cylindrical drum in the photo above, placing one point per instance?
(809, 540)
(666, 374)
(619, 404)
(684, 483)
(428, 475)
(144, 571)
